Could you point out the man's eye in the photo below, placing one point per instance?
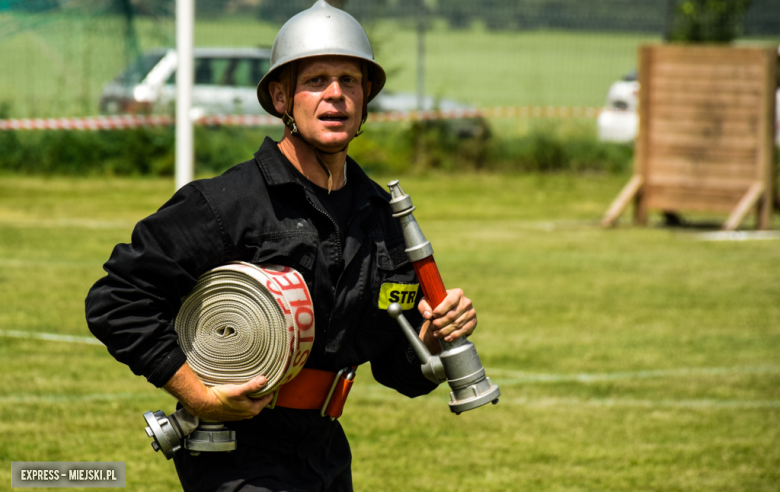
(315, 80)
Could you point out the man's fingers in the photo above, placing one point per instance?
(466, 330)
(261, 402)
(457, 324)
(425, 308)
(252, 386)
(463, 326)
(450, 302)
(455, 314)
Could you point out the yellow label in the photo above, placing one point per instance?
(403, 294)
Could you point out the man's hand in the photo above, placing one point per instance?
(224, 402)
(454, 318)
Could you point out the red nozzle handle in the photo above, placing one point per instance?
(430, 281)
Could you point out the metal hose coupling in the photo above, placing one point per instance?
(182, 429)
(239, 322)
(458, 363)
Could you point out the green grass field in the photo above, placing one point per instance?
(629, 359)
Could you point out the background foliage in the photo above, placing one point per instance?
(383, 148)
(719, 21)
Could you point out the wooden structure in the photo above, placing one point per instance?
(706, 131)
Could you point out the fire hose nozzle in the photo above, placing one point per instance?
(417, 247)
(182, 429)
(458, 364)
(400, 202)
(458, 361)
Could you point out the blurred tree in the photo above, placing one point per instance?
(280, 11)
(29, 5)
(459, 13)
(708, 21)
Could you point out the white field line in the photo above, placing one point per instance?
(376, 393)
(737, 235)
(631, 402)
(556, 225)
(19, 263)
(35, 399)
(507, 377)
(383, 394)
(502, 376)
(543, 225)
(53, 337)
(75, 222)
(512, 378)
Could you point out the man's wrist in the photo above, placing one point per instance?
(186, 387)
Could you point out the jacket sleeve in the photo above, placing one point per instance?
(397, 366)
(131, 309)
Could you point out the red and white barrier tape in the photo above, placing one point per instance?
(122, 122)
(498, 112)
(119, 122)
(242, 320)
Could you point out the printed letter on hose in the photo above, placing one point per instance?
(241, 321)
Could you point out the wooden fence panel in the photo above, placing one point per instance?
(706, 130)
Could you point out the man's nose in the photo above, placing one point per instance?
(333, 91)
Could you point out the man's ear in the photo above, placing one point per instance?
(365, 96)
(278, 96)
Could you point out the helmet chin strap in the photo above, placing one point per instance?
(289, 121)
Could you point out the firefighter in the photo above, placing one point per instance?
(303, 203)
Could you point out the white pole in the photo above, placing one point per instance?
(421, 63)
(185, 22)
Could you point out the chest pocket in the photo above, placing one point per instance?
(296, 249)
(394, 280)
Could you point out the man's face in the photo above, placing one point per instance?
(328, 100)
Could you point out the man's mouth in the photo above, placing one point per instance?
(332, 117)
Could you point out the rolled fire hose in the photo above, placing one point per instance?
(240, 321)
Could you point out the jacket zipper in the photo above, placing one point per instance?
(340, 255)
(349, 222)
(339, 248)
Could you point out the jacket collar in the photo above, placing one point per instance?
(368, 196)
(277, 171)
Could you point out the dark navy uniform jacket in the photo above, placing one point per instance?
(260, 212)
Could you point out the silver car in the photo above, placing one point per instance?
(225, 82)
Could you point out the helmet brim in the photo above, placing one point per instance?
(376, 76)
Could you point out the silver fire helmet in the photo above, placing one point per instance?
(319, 30)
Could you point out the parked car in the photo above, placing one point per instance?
(407, 101)
(461, 128)
(618, 120)
(224, 83)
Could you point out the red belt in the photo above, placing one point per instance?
(314, 389)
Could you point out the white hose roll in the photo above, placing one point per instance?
(241, 321)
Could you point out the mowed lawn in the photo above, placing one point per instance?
(628, 359)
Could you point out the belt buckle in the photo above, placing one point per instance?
(350, 377)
